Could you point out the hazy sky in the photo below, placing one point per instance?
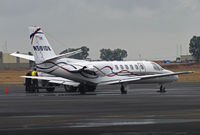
(151, 28)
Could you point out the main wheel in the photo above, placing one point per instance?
(82, 89)
(70, 88)
(91, 88)
(162, 88)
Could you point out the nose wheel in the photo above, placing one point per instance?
(162, 89)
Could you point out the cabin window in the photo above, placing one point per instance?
(126, 67)
(131, 67)
(136, 67)
(116, 67)
(141, 66)
(121, 66)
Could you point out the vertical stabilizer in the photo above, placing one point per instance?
(42, 50)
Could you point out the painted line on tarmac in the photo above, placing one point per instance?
(103, 124)
(133, 122)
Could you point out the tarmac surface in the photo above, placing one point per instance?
(106, 112)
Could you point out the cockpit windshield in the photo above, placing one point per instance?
(156, 66)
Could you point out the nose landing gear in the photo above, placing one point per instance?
(162, 89)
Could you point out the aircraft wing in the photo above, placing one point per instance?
(24, 56)
(164, 75)
(137, 78)
(117, 81)
(58, 80)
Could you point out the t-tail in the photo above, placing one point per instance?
(42, 50)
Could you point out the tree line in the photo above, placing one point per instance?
(194, 47)
(105, 54)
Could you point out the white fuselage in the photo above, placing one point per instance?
(86, 75)
(98, 71)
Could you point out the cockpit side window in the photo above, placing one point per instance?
(156, 66)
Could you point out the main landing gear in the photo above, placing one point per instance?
(83, 88)
(124, 89)
(70, 88)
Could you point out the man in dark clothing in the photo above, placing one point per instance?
(28, 82)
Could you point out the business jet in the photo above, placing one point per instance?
(87, 75)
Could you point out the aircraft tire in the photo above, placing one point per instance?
(91, 88)
(162, 89)
(50, 89)
(70, 88)
(82, 89)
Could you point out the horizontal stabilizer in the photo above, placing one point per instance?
(24, 56)
(30, 57)
(69, 54)
(66, 55)
(58, 80)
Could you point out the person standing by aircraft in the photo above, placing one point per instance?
(28, 82)
(35, 81)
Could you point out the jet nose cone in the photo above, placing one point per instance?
(175, 77)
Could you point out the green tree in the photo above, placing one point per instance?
(119, 54)
(110, 55)
(105, 54)
(83, 55)
(195, 47)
